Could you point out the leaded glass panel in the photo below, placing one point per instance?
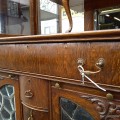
(73, 111)
(7, 103)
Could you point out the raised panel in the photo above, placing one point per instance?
(29, 114)
(60, 59)
(34, 92)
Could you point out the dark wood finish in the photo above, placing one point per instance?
(91, 5)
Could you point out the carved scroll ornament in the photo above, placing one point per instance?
(107, 110)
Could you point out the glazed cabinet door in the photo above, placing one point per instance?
(10, 107)
(68, 104)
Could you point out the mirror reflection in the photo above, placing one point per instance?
(14, 17)
(108, 18)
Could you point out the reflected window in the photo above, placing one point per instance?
(48, 17)
(107, 18)
(73, 111)
(53, 18)
(7, 103)
(14, 17)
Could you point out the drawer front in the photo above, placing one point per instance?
(34, 92)
(60, 59)
(30, 114)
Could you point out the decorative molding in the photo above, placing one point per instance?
(9, 76)
(110, 88)
(103, 35)
(107, 110)
(35, 108)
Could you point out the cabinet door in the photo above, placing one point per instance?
(10, 108)
(32, 114)
(71, 105)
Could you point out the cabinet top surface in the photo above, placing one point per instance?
(104, 35)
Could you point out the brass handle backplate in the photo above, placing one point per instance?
(109, 96)
(57, 85)
(28, 94)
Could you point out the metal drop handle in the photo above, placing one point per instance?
(84, 73)
(28, 94)
(99, 64)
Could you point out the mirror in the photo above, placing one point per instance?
(107, 18)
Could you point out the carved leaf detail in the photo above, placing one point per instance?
(106, 109)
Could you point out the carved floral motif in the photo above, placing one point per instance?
(108, 110)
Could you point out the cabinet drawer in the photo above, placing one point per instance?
(30, 114)
(34, 92)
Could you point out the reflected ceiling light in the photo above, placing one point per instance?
(107, 15)
(110, 11)
(116, 18)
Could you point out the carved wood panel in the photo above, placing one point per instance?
(108, 110)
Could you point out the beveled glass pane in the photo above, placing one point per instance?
(65, 116)
(73, 111)
(68, 106)
(7, 103)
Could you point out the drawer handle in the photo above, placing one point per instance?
(99, 64)
(28, 94)
(82, 72)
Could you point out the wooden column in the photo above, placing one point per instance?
(34, 16)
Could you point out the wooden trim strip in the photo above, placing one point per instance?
(60, 40)
(110, 35)
(61, 79)
(34, 107)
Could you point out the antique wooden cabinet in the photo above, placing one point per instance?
(71, 76)
(66, 76)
